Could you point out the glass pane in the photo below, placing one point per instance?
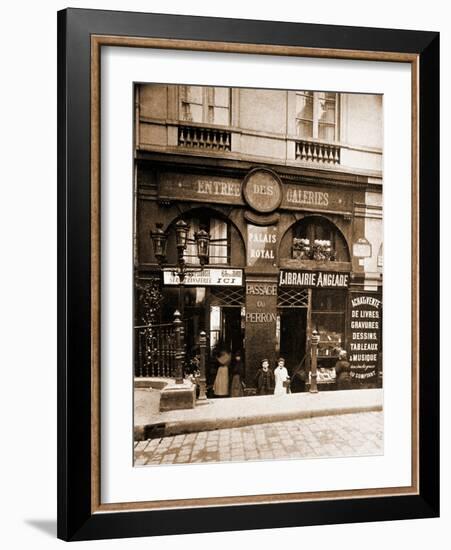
(328, 300)
(193, 94)
(220, 115)
(331, 333)
(328, 307)
(304, 129)
(218, 242)
(221, 97)
(191, 112)
(326, 107)
(190, 255)
(304, 105)
(326, 132)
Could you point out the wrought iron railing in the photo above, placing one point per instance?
(155, 350)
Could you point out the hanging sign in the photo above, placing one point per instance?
(206, 277)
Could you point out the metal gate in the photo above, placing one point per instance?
(155, 350)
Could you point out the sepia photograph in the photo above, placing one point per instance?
(258, 274)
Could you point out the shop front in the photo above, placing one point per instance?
(279, 267)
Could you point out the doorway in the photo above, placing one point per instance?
(293, 336)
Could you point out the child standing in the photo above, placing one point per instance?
(264, 379)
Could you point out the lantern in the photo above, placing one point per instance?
(159, 241)
(181, 235)
(203, 245)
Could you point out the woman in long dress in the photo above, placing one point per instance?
(221, 384)
(280, 376)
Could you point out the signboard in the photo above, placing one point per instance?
(364, 336)
(262, 190)
(313, 279)
(193, 187)
(300, 197)
(261, 245)
(207, 277)
(261, 322)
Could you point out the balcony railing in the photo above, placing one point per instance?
(212, 139)
(323, 153)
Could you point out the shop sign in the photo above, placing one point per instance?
(313, 279)
(260, 300)
(262, 191)
(364, 336)
(192, 187)
(299, 197)
(261, 245)
(206, 277)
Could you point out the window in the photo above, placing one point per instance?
(317, 115)
(328, 318)
(219, 252)
(314, 232)
(205, 105)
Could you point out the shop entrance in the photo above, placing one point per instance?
(293, 336)
(293, 326)
(226, 330)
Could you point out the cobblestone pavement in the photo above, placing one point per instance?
(354, 434)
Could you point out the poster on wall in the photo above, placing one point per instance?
(364, 345)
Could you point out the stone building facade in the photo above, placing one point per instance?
(289, 186)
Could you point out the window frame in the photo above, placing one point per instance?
(207, 98)
(315, 121)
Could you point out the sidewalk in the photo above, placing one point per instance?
(233, 412)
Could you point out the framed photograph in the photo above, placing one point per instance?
(248, 274)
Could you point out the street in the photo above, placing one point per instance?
(355, 434)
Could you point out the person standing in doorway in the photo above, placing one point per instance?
(281, 378)
(237, 384)
(221, 384)
(264, 379)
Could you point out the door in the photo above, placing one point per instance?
(293, 326)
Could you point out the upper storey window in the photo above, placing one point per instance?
(204, 104)
(317, 115)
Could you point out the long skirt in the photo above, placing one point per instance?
(236, 388)
(221, 385)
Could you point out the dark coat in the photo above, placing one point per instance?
(265, 382)
(342, 375)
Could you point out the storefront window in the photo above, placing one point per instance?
(328, 318)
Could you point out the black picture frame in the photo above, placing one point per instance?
(76, 518)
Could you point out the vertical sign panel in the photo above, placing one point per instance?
(364, 342)
(261, 245)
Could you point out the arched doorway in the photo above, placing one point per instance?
(214, 307)
(314, 245)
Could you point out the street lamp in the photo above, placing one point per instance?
(314, 340)
(203, 245)
(159, 240)
(180, 271)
